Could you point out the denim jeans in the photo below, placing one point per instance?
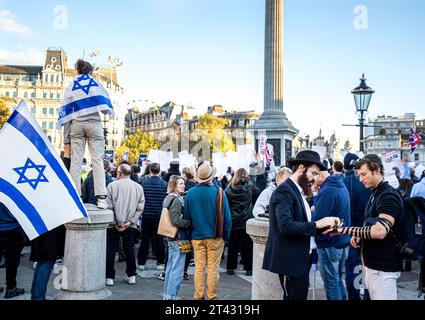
(174, 271)
(331, 265)
(41, 279)
(353, 275)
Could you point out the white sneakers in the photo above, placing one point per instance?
(141, 266)
(102, 203)
(131, 280)
(160, 267)
(109, 282)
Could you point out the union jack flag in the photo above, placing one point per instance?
(414, 140)
(269, 153)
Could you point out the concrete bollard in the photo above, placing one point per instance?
(265, 284)
(84, 263)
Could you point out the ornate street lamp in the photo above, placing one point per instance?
(362, 96)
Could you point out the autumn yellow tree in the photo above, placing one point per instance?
(135, 144)
(4, 112)
(219, 139)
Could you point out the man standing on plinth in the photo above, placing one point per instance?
(83, 100)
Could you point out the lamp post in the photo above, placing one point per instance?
(362, 95)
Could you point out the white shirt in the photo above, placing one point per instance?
(307, 210)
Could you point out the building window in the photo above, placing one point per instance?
(51, 111)
(58, 96)
(52, 78)
(7, 94)
(46, 78)
(51, 96)
(26, 95)
(51, 125)
(33, 111)
(33, 95)
(57, 110)
(44, 95)
(44, 111)
(44, 124)
(15, 94)
(57, 78)
(416, 157)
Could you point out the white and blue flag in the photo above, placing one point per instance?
(34, 184)
(85, 95)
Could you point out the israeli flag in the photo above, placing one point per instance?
(34, 184)
(84, 96)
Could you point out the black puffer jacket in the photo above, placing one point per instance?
(173, 171)
(240, 203)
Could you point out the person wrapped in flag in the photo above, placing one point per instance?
(79, 114)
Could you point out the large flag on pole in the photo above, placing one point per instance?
(34, 184)
(414, 140)
(84, 96)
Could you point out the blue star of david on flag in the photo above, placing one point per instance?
(85, 88)
(29, 164)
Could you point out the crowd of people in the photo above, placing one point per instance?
(317, 209)
(304, 201)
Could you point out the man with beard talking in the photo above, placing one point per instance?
(291, 233)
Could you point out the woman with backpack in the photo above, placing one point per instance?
(239, 195)
(174, 269)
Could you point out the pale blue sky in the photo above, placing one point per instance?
(211, 52)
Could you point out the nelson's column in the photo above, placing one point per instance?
(273, 122)
(280, 132)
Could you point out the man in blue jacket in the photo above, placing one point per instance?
(359, 196)
(333, 200)
(207, 207)
(155, 190)
(12, 241)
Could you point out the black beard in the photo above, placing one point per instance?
(305, 184)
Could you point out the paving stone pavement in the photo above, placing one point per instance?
(149, 287)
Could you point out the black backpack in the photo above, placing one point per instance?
(410, 229)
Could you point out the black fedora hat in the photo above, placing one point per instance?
(307, 157)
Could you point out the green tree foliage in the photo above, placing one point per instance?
(4, 112)
(219, 139)
(135, 144)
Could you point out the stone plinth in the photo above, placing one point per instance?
(265, 285)
(84, 264)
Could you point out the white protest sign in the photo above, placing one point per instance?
(220, 163)
(320, 150)
(360, 154)
(186, 160)
(418, 171)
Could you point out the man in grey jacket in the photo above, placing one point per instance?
(127, 200)
(265, 196)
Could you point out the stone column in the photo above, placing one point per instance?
(265, 284)
(84, 264)
(273, 122)
(273, 57)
